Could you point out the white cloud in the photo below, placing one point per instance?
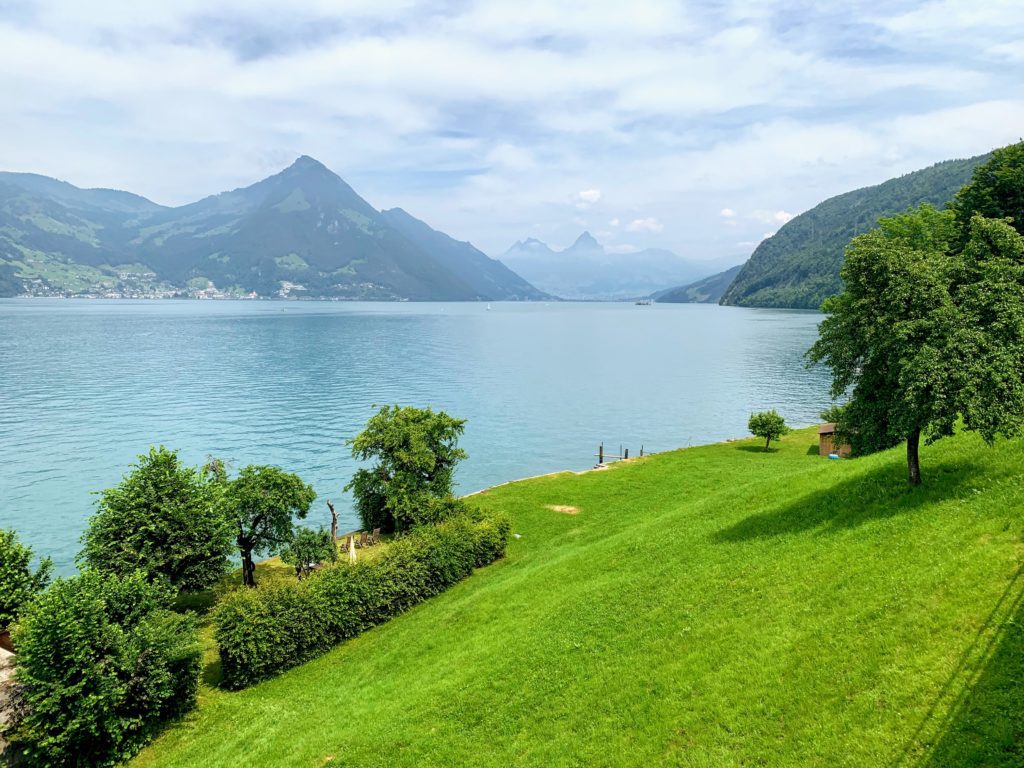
(613, 223)
(772, 217)
(650, 224)
(587, 198)
(727, 213)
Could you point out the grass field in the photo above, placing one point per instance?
(716, 606)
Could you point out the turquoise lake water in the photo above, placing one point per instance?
(85, 386)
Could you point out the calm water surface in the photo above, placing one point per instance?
(85, 386)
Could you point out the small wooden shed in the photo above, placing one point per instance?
(827, 442)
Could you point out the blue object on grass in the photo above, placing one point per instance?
(833, 455)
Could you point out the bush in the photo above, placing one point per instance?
(100, 665)
(163, 519)
(264, 631)
(18, 584)
(308, 548)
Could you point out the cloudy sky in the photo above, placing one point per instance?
(698, 126)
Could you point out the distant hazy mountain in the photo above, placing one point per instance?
(799, 266)
(706, 291)
(587, 270)
(301, 232)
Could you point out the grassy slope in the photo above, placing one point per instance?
(709, 607)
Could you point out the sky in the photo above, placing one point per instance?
(696, 126)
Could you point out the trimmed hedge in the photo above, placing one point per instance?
(263, 631)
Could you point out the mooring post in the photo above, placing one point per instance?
(626, 454)
(641, 450)
(600, 454)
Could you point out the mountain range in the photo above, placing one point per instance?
(303, 232)
(708, 290)
(798, 267)
(589, 271)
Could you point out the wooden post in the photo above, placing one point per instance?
(626, 454)
(641, 450)
(334, 523)
(600, 454)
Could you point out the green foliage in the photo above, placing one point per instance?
(800, 265)
(924, 334)
(308, 548)
(768, 425)
(163, 519)
(261, 504)
(996, 191)
(411, 482)
(101, 664)
(18, 583)
(264, 631)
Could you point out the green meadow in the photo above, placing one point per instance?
(714, 606)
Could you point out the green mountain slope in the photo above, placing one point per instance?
(301, 232)
(799, 266)
(715, 606)
(707, 291)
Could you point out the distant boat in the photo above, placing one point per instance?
(488, 307)
(643, 302)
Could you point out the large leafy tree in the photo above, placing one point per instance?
(926, 332)
(163, 519)
(19, 584)
(415, 452)
(262, 503)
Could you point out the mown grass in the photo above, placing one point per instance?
(709, 607)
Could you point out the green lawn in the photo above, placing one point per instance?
(716, 606)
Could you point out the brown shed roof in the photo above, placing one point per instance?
(827, 429)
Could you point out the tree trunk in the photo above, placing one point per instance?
(767, 442)
(913, 458)
(334, 523)
(248, 569)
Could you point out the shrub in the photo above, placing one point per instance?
(308, 548)
(18, 584)
(264, 631)
(162, 519)
(100, 665)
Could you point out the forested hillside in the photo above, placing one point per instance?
(799, 266)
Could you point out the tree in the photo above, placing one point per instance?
(308, 548)
(925, 334)
(101, 663)
(261, 504)
(416, 452)
(19, 585)
(163, 519)
(767, 424)
(996, 191)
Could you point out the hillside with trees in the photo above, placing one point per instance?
(799, 265)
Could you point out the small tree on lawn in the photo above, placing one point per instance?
(308, 548)
(163, 519)
(261, 504)
(18, 583)
(767, 424)
(410, 484)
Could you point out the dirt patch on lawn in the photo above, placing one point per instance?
(563, 508)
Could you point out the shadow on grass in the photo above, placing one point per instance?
(985, 725)
(874, 495)
(813, 449)
(756, 449)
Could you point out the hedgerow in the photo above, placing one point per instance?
(263, 631)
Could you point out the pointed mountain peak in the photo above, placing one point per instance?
(585, 241)
(307, 164)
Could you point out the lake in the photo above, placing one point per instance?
(86, 386)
